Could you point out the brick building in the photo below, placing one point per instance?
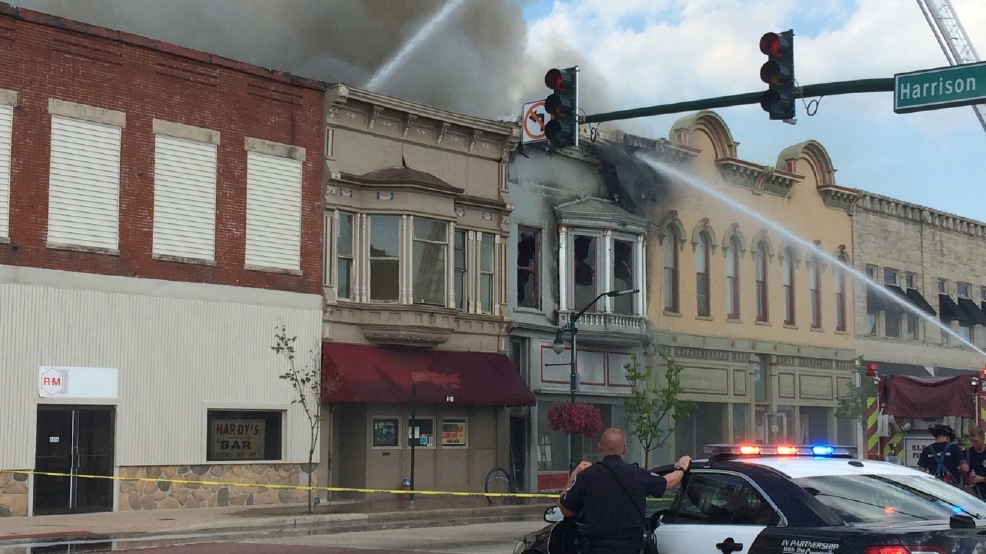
(160, 217)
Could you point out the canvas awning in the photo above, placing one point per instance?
(366, 373)
(950, 311)
(920, 302)
(974, 311)
(920, 397)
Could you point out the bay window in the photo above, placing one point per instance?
(385, 261)
(584, 270)
(428, 261)
(623, 268)
(460, 275)
(344, 256)
(486, 274)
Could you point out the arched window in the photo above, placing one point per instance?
(732, 279)
(670, 269)
(788, 278)
(814, 286)
(702, 274)
(840, 297)
(760, 267)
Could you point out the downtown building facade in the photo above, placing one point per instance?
(415, 327)
(160, 219)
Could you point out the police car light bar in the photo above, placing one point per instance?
(817, 451)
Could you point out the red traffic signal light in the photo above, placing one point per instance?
(778, 73)
(563, 106)
(871, 370)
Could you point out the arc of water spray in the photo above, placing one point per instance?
(419, 37)
(700, 185)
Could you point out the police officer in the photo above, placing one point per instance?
(943, 458)
(612, 495)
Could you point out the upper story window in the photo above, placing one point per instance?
(528, 267)
(814, 289)
(871, 272)
(788, 276)
(964, 290)
(584, 258)
(760, 273)
(732, 279)
(623, 276)
(942, 286)
(486, 274)
(702, 274)
(428, 264)
(840, 297)
(385, 258)
(344, 256)
(890, 277)
(982, 294)
(670, 248)
(461, 276)
(909, 280)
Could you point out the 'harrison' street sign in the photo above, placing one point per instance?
(944, 87)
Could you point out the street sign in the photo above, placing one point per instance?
(944, 87)
(535, 120)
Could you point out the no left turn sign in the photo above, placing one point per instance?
(535, 118)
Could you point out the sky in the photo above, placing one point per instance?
(636, 53)
(490, 56)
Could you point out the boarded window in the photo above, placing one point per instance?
(528, 277)
(385, 261)
(273, 222)
(184, 198)
(6, 132)
(429, 261)
(623, 276)
(84, 184)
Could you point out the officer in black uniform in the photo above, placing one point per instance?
(612, 495)
(943, 458)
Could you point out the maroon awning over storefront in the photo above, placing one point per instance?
(379, 374)
(920, 397)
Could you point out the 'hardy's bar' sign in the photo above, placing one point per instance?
(944, 87)
(238, 439)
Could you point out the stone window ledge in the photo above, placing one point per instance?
(767, 323)
(182, 260)
(80, 248)
(266, 269)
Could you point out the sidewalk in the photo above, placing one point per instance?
(333, 516)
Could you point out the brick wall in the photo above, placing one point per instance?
(46, 57)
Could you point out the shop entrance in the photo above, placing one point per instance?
(76, 441)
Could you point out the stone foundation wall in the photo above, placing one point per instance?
(14, 491)
(250, 489)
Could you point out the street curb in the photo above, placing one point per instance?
(289, 525)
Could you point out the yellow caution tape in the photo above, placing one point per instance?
(293, 487)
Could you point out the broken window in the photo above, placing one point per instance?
(623, 276)
(528, 278)
(584, 266)
(385, 261)
(428, 258)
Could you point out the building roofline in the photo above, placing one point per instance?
(48, 20)
(871, 202)
(341, 93)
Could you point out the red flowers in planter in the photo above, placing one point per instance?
(578, 418)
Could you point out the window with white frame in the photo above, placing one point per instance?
(6, 136)
(273, 218)
(344, 255)
(385, 258)
(623, 276)
(184, 198)
(584, 265)
(429, 261)
(964, 290)
(486, 263)
(84, 184)
(603, 262)
(890, 277)
(461, 275)
(909, 280)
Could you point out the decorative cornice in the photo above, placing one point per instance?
(422, 336)
(899, 209)
(757, 177)
(838, 197)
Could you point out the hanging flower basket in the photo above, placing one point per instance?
(575, 419)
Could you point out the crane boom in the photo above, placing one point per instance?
(952, 38)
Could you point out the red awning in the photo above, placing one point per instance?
(908, 396)
(379, 374)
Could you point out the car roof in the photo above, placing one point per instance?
(797, 467)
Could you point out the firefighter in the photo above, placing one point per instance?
(943, 458)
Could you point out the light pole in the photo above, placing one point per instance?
(559, 346)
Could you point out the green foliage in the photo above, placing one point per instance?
(307, 383)
(649, 411)
(852, 404)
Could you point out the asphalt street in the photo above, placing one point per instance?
(486, 538)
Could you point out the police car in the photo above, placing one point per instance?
(806, 500)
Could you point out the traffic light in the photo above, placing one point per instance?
(778, 72)
(563, 106)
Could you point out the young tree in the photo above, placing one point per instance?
(648, 411)
(852, 404)
(308, 383)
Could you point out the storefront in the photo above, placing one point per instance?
(460, 425)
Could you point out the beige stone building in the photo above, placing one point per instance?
(762, 324)
(416, 222)
(934, 260)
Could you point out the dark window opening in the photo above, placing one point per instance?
(623, 276)
(459, 263)
(702, 275)
(584, 261)
(528, 277)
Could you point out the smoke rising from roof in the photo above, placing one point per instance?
(470, 65)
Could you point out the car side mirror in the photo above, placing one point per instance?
(553, 515)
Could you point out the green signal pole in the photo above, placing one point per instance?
(821, 89)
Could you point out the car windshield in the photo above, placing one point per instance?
(891, 498)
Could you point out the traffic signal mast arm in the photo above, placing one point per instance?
(821, 89)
